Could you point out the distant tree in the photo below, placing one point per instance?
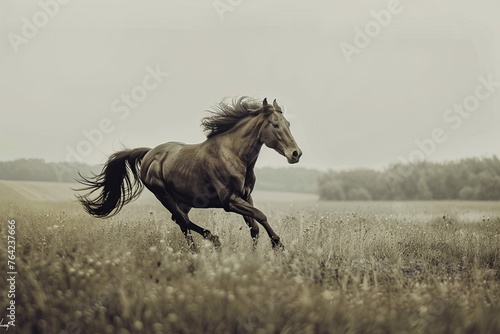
(39, 170)
(358, 194)
(466, 193)
(287, 179)
(331, 190)
(472, 179)
(423, 192)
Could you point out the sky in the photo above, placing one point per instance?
(364, 83)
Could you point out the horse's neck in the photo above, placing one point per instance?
(245, 142)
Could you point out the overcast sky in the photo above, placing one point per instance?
(353, 101)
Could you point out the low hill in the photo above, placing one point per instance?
(299, 180)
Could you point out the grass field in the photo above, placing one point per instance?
(424, 267)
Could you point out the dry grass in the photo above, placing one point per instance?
(376, 270)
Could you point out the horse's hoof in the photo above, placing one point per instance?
(215, 240)
(193, 248)
(277, 245)
(255, 241)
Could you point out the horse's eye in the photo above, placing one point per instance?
(275, 125)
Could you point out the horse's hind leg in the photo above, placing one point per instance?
(184, 219)
(200, 230)
(180, 217)
(187, 234)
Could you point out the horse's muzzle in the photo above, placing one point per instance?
(294, 156)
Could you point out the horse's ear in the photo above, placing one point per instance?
(266, 108)
(276, 106)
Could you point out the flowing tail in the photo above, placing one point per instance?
(119, 183)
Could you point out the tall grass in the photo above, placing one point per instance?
(367, 271)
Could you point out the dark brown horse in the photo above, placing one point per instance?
(217, 173)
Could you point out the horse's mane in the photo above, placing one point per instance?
(223, 116)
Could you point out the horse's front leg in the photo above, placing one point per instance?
(254, 229)
(239, 205)
(252, 224)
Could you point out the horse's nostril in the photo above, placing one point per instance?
(295, 154)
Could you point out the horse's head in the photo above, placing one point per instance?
(276, 133)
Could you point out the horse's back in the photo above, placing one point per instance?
(168, 162)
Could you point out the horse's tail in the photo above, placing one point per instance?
(119, 183)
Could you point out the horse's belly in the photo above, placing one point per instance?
(202, 195)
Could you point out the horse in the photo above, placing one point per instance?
(216, 173)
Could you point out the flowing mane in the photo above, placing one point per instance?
(223, 116)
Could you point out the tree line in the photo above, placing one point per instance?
(467, 179)
(39, 170)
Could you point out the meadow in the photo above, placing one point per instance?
(348, 267)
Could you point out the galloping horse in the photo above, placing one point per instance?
(217, 173)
